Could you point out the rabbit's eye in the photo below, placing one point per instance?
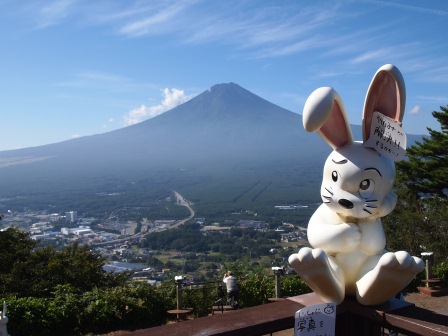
(366, 188)
(334, 175)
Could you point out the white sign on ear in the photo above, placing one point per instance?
(387, 137)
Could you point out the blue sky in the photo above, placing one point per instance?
(75, 68)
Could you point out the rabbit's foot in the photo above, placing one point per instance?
(320, 273)
(391, 274)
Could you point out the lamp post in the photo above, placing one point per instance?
(427, 257)
(3, 321)
(179, 312)
(278, 271)
(179, 279)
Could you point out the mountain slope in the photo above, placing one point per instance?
(225, 148)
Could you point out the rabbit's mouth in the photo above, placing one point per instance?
(350, 205)
(360, 208)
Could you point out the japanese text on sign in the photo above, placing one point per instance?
(387, 137)
(315, 320)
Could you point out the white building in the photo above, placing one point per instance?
(82, 231)
(79, 231)
(41, 225)
(71, 216)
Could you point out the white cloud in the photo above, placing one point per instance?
(95, 80)
(417, 9)
(371, 55)
(415, 110)
(109, 122)
(285, 50)
(149, 23)
(54, 13)
(434, 99)
(172, 98)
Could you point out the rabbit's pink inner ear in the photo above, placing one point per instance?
(336, 130)
(384, 96)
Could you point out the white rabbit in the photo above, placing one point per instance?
(346, 233)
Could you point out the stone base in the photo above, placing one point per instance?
(433, 291)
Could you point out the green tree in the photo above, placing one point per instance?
(426, 170)
(15, 246)
(405, 227)
(420, 219)
(36, 272)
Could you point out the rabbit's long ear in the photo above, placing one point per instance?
(387, 95)
(324, 113)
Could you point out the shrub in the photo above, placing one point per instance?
(440, 271)
(256, 288)
(72, 313)
(30, 316)
(98, 311)
(201, 299)
(293, 285)
(123, 308)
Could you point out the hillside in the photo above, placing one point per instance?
(225, 149)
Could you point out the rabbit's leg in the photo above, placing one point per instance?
(392, 273)
(320, 272)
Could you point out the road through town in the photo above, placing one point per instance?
(180, 200)
(183, 202)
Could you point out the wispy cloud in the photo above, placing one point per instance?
(370, 55)
(436, 99)
(156, 18)
(109, 122)
(263, 31)
(266, 32)
(289, 49)
(100, 81)
(246, 24)
(415, 110)
(406, 7)
(436, 74)
(54, 13)
(428, 68)
(255, 32)
(172, 98)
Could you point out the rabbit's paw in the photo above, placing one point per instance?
(392, 273)
(320, 273)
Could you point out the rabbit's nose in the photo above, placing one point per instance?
(345, 203)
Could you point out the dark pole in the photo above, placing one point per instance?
(278, 271)
(179, 280)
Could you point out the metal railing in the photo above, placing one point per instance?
(352, 319)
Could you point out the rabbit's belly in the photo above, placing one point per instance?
(351, 263)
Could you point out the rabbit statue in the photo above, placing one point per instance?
(347, 257)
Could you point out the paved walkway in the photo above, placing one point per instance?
(436, 304)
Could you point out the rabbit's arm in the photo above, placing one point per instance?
(373, 239)
(326, 230)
